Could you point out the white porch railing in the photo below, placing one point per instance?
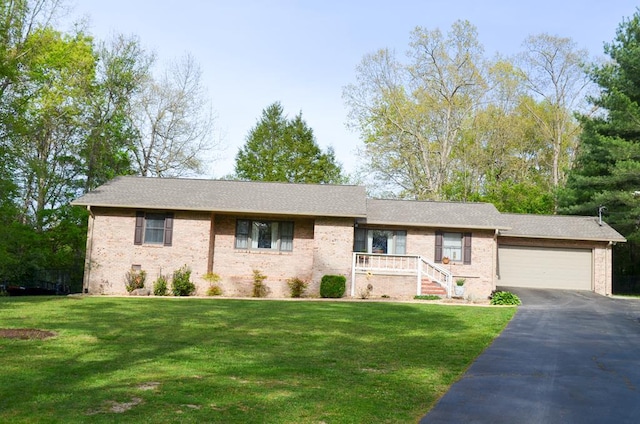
(377, 263)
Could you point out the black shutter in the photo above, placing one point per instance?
(168, 229)
(438, 257)
(360, 240)
(243, 228)
(466, 255)
(139, 232)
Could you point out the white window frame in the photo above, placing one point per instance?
(453, 246)
(249, 238)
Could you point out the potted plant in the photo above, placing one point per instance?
(459, 288)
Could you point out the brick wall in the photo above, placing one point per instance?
(113, 253)
(479, 275)
(325, 249)
(333, 250)
(321, 246)
(235, 266)
(379, 285)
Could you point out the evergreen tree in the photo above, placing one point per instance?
(607, 172)
(279, 149)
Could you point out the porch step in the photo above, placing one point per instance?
(429, 287)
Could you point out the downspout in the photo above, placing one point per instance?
(608, 273)
(212, 243)
(89, 251)
(494, 272)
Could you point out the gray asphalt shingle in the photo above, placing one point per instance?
(558, 227)
(433, 214)
(229, 196)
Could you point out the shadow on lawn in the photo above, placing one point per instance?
(224, 360)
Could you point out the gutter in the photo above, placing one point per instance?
(531, 236)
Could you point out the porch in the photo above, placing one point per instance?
(398, 274)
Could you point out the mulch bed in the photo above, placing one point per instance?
(25, 333)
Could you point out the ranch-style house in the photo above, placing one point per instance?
(394, 248)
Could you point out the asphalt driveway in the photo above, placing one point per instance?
(566, 357)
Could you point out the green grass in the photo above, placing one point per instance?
(234, 361)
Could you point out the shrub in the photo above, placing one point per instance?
(333, 286)
(427, 297)
(460, 282)
(297, 286)
(259, 288)
(134, 279)
(366, 292)
(214, 290)
(213, 279)
(160, 286)
(181, 284)
(504, 298)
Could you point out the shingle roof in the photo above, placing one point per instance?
(559, 227)
(229, 196)
(335, 200)
(434, 214)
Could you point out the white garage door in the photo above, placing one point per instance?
(542, 267)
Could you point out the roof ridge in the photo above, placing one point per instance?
(452, 202)
(548, 215)
(140, 177)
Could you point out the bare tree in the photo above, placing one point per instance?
(174, 120)
(554, 73)
(412, 116)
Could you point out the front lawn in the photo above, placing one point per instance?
(161, 360)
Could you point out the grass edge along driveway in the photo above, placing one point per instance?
(223, 360)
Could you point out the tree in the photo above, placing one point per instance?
(554, 73)
(122, 69)
(607, 171)
(500, 156)
(47, 133)
(44, 77)
(70, 120)
(279, 149)
(18, 19)
(412, 117)
(174, 122)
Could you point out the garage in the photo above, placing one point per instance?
(545, 267)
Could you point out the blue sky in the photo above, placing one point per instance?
(302, 53)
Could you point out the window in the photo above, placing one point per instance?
(380, 241)
(271, 235)
(153, 228)
(452, 246)
(455, 246)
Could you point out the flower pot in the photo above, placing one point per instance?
(458, 290)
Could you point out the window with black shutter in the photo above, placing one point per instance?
(455, 247)
(153, 228)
